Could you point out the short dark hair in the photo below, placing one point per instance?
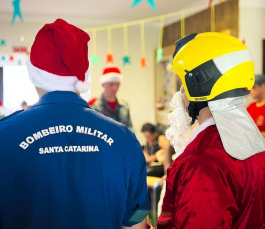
(24, 103)
(260, 79)
(148, 127)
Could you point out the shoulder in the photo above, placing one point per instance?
(12, 116)
(252, 106)
(7, 122)
(203, 167)
(206, 149)
(123, 103)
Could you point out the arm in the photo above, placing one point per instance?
(138, 203)
(146, 155)
(149, 159)
(168, 151)
(168, 157)
(160, 155)
(130, 121)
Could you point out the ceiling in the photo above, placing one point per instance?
(93, 13)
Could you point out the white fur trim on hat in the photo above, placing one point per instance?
(111, 77)
(81, 86)
(51, 82)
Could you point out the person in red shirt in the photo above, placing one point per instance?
(257, 109)
(218, 181)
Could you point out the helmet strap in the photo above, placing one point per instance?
(194, 109)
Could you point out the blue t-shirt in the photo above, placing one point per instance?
(65, 166)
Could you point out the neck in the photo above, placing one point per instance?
(261, 101)
(109, 98)
(204, 114)
(40, 91)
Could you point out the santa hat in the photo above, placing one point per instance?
(58, 59)
(111, 74)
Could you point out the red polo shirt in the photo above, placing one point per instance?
(258, 115)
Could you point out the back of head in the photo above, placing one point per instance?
(58, 59)
(24, 103)
(259, 79)
(148, 127)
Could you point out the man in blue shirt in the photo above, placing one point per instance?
(63, 165)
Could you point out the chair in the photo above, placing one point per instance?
(154, 186)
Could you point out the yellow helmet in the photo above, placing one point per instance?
(213, 66)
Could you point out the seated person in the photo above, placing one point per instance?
(154, 150)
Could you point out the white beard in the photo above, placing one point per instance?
(180, 132)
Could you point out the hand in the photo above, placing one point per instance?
(151, 158)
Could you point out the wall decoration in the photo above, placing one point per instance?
(17, 12)
(126, 57)
(159, 52)
(94, 59)
(15, 59)
(182, 24)
(110, 58)
(109, 55)
(143, 62)
(143, 59)
(2, 42)
(151, 2)
(212, 18)
(126, 60)
(22, 49)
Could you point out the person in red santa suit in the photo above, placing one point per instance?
(218, 180)
(257, 109)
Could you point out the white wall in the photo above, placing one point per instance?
(252, 28)
(138, 84)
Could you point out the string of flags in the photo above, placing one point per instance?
(126, 58)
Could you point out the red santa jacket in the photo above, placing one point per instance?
(206, 188)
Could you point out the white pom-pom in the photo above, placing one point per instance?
(82, 87)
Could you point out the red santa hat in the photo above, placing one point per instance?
(111, 74)
(58, 59)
